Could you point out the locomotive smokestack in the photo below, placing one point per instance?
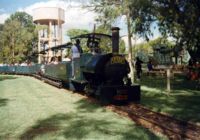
(115, 40)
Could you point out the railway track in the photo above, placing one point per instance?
(173, 128)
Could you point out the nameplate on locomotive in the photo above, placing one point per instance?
(117, 60)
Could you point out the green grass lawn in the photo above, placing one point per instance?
(183, 101)
(31, 109)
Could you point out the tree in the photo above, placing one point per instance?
(10, 39)
(159, 45)
(177, 19)
(75, 32)
(1, 27)
(26, 21)
(142, 13)
(180, 19)
(17, 38)
(111, 10)
(122, 46)
(1, 43)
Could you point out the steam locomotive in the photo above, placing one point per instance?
(104, 76)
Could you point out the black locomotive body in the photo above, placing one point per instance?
(107, 77)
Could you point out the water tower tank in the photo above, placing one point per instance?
(45, 14)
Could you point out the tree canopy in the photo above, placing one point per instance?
(17, 38)
(25, 20)
(177, 19)
(181, 20)
(75, 32)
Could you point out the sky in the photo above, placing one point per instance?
(11, 6)
(75, 16)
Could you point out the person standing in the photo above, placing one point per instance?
(78, 46)
(76, 51)
(138, 67)
(149, 65)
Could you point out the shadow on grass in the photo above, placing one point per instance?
(3, 102)
(45, 126)
(84, 126)
(183, 101)
(7, 77)
(88, 106)
(153, 82)
(179, 82)
(178, 104)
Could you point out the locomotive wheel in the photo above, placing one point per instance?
(78, 86)
(102, 94)
(88, 90)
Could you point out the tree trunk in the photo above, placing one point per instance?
(13, 50)
(130, 55)
(176, 59)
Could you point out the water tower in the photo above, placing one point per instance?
(51, 34)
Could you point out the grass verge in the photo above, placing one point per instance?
(182, 102)
(31, 109)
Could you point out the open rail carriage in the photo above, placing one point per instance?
(57, 74)
(105, 75)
